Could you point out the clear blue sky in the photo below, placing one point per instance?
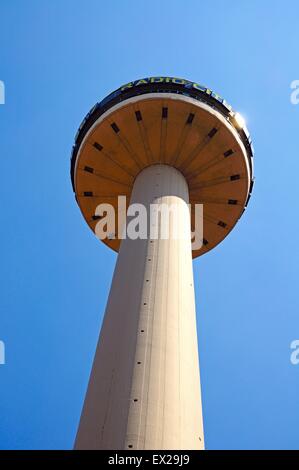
(57, 58)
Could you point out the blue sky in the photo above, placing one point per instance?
(59, 57)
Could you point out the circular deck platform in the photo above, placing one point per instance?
(173, 122)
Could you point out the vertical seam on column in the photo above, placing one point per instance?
(156, 254)
(179, 322)
(134, 356)
(138, 332)
(145, 351)
(166, 323)
(156, 439)
(146, 346)
(146, 366)
(136, 345)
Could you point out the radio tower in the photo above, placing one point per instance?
(156, 140)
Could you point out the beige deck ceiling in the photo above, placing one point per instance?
(172, 129)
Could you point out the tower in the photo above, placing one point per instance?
(159, 140)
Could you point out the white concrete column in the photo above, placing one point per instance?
(144, 389)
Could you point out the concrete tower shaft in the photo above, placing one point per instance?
(144, 389)
(171, 141)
